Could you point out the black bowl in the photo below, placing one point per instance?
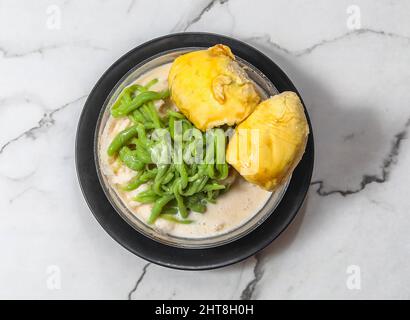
(127, 236)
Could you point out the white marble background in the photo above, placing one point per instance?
(356, 85)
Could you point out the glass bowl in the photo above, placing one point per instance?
(265, 88)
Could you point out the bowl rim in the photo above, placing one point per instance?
(126, 235)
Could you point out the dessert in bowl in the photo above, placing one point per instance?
(195, 147)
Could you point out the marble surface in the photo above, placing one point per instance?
(354, 79)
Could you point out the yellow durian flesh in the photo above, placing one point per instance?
(211, 89)
(268, 145)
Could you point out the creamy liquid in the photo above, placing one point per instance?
(231, 210)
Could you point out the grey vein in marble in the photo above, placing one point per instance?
(141, 277)
(47, 120)
(198, 16)
(298, 53)
(19, 179)
(22, 193)
(258, 271)
(42, 50)
(348, 137)
(389, 161)
(131, 5)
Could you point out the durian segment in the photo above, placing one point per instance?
(211, 89)
(268, 145)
